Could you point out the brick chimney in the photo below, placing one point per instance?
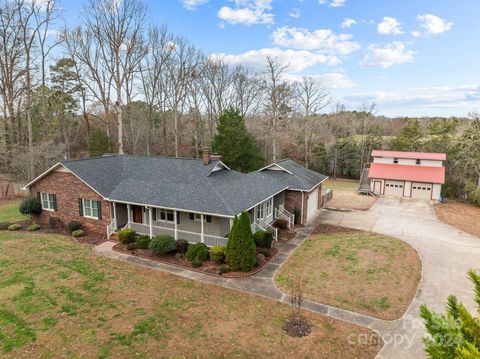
(206, 155)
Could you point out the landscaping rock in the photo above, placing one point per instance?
(261, 259)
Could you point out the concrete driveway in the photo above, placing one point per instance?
(446, 253)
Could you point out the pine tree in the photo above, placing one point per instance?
(240, 251)
(455, 334)
(235, 143)
(409, 137)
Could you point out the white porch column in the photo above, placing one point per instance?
(150, 221)
(175, 214)
(201, 221)
(128, 215)
(114, 210)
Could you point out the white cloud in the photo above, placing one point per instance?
(434, 24)
(297, 60)
(321, 2)
(295, 13)
(248, 12)
(416, 33)
(348, 23)
(389, 26)
(323, 40)
(389, 55)
(192, 4)
(337, 3)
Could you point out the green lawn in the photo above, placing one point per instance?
(359, 271)
(57, 299)
(9, 212)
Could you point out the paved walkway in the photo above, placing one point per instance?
(446, 253)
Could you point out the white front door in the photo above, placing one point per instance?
(422, 190)
(394, 188)
(312, 204)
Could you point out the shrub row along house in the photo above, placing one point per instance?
(186, 198)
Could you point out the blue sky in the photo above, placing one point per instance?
(410, 57)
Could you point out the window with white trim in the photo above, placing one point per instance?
(48, 201)
(165, 215)
(265, 209)
(90, 208)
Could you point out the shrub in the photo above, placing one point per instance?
(263, 239)
(162, 244)
(127, 235)
(182, 245)
(33, 227)
(74, 226)
(132, 246)
(225, 268)
(142, 242)
(78, 233)
(265, 251)
(296, 214)
(4, 225)
(14, 227)
(54, 222)
(217, 254)
(197, 254)
(30, 206)
(240, 251)
(281, 223)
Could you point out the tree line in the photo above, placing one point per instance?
(115, 83)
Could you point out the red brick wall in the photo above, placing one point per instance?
(293, 199)
(68, 188)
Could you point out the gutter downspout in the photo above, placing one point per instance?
(301, 210)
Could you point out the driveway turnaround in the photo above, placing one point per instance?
(446, 253)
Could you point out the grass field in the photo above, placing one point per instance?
(464, 216)
(9, 211)
(57, 299)
(345, 195)
(360, 271)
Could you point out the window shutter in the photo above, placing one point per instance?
(54, 202)
(39, 198)
(192, 216)
(154, 214)
(80, 207)
(99, 207)
(209, 219)
(178, 217)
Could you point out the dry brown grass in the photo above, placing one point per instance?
(345, 195)
(60, 300)
(463, 216)
(359, 271)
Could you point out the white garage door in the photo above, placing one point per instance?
(422, 190)
(394, 188)
(312, 204)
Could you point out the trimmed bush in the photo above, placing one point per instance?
(78, 233)
(266, 252)
(30, 206)
(162, 244)
(14, 227)
(142, 242)
(240, 252)
(197, 254)
(74, 226)
(281, 223)
(182, 245)
(225, 268)
(217, 254)
(4, 225)
(33, 227)
(296, 215)
(127, 235)
(132, 246)
(263, 239)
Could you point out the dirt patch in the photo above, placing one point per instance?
(179, 260)
(346, 197)
(285, 235)
(297, 326)
(360, 271)
(463, 216)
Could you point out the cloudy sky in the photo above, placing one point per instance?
(411, 57)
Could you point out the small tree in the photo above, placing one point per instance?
(99, 143)
(30, 207)
(235, 143)
(240, 251)
(455, 334)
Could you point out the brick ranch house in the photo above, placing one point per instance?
(186, 198)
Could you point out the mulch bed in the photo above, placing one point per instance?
(179, 260)
(285, 235)
(297, 326)
(86, 239)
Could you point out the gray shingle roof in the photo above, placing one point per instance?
(186, 184)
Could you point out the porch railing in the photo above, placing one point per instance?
(286, 215)
(111, 228)
(327, 196)
(260, 224)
